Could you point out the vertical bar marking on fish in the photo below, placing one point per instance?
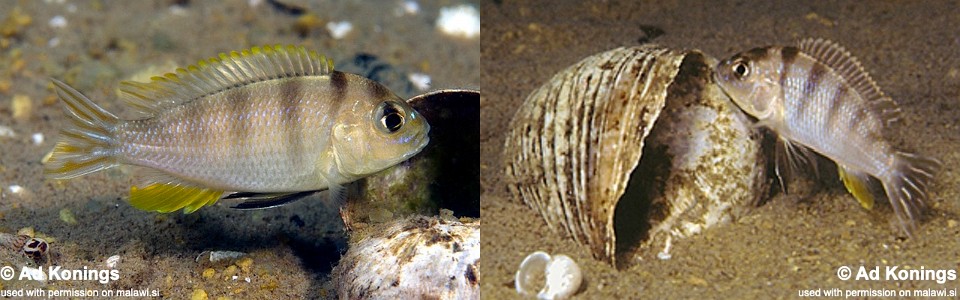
(272, 120)
(816, 96)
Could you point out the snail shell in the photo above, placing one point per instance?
(559, 275)
(576, 143)
(412, 258)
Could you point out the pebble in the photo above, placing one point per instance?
(420, 81)
(245, 264)
(66, 215)
(209, 273)
(230, 272)
(951, 223)
(22, 107)
(199, 294)
(409, 7)
(7, 132)
(15, 189)
(37, 138)
(460, 21)
(58, 22)
(27, 231)
(339, 30)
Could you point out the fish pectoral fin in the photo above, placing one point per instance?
(266, 200)
(169, 197)
(859, 185)
(792, 158)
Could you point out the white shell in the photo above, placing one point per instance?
(413, 258)
(647, 125)
(561, 277)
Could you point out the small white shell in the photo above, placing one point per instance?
(561, 273)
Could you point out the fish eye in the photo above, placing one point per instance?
(391, 118)
(740, 69)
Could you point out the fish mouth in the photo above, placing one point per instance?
(423, 139)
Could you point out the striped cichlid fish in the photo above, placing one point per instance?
(268, 125)
(817, 97)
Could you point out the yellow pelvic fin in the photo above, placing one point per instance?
(857, 185)
(165, 198)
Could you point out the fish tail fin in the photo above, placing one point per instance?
(88, 143)
(906, 187)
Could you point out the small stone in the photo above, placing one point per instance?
(198, 294)
(306, 24)
(66, 215)
(208, 273)
(851, 223)
(7, 132)
(22, 107)
(27, 231)
(270, 285)
(37, 138)
(460, 21)
(694, 280)
(339, 30)
(951, 223)
(230, 272)
(245, 264)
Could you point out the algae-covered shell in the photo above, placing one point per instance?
(577, 141)
(413, 258)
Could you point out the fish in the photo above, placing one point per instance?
(818, 99)
(271, 124)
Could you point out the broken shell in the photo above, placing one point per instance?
(575, 148)
(412, 258)
(559, 274)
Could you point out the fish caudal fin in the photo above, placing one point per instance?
(87, 144)
(906, 187)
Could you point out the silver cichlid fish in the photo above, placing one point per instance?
(270, 124)
(817, 97)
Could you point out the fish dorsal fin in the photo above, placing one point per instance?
(170, 197)
(221, 73)
(848, 67)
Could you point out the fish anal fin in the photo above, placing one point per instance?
(170, 197)
(859, 185)
(266, 200)
(849, 69)
(220, 73)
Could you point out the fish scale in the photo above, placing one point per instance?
(817, 97)
(272, 123)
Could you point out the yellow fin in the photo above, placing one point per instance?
(857, 186)
(172, 197)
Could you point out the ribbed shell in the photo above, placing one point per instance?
(576, 139)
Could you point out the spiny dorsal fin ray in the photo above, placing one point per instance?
(224, 72)
(849, 69)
